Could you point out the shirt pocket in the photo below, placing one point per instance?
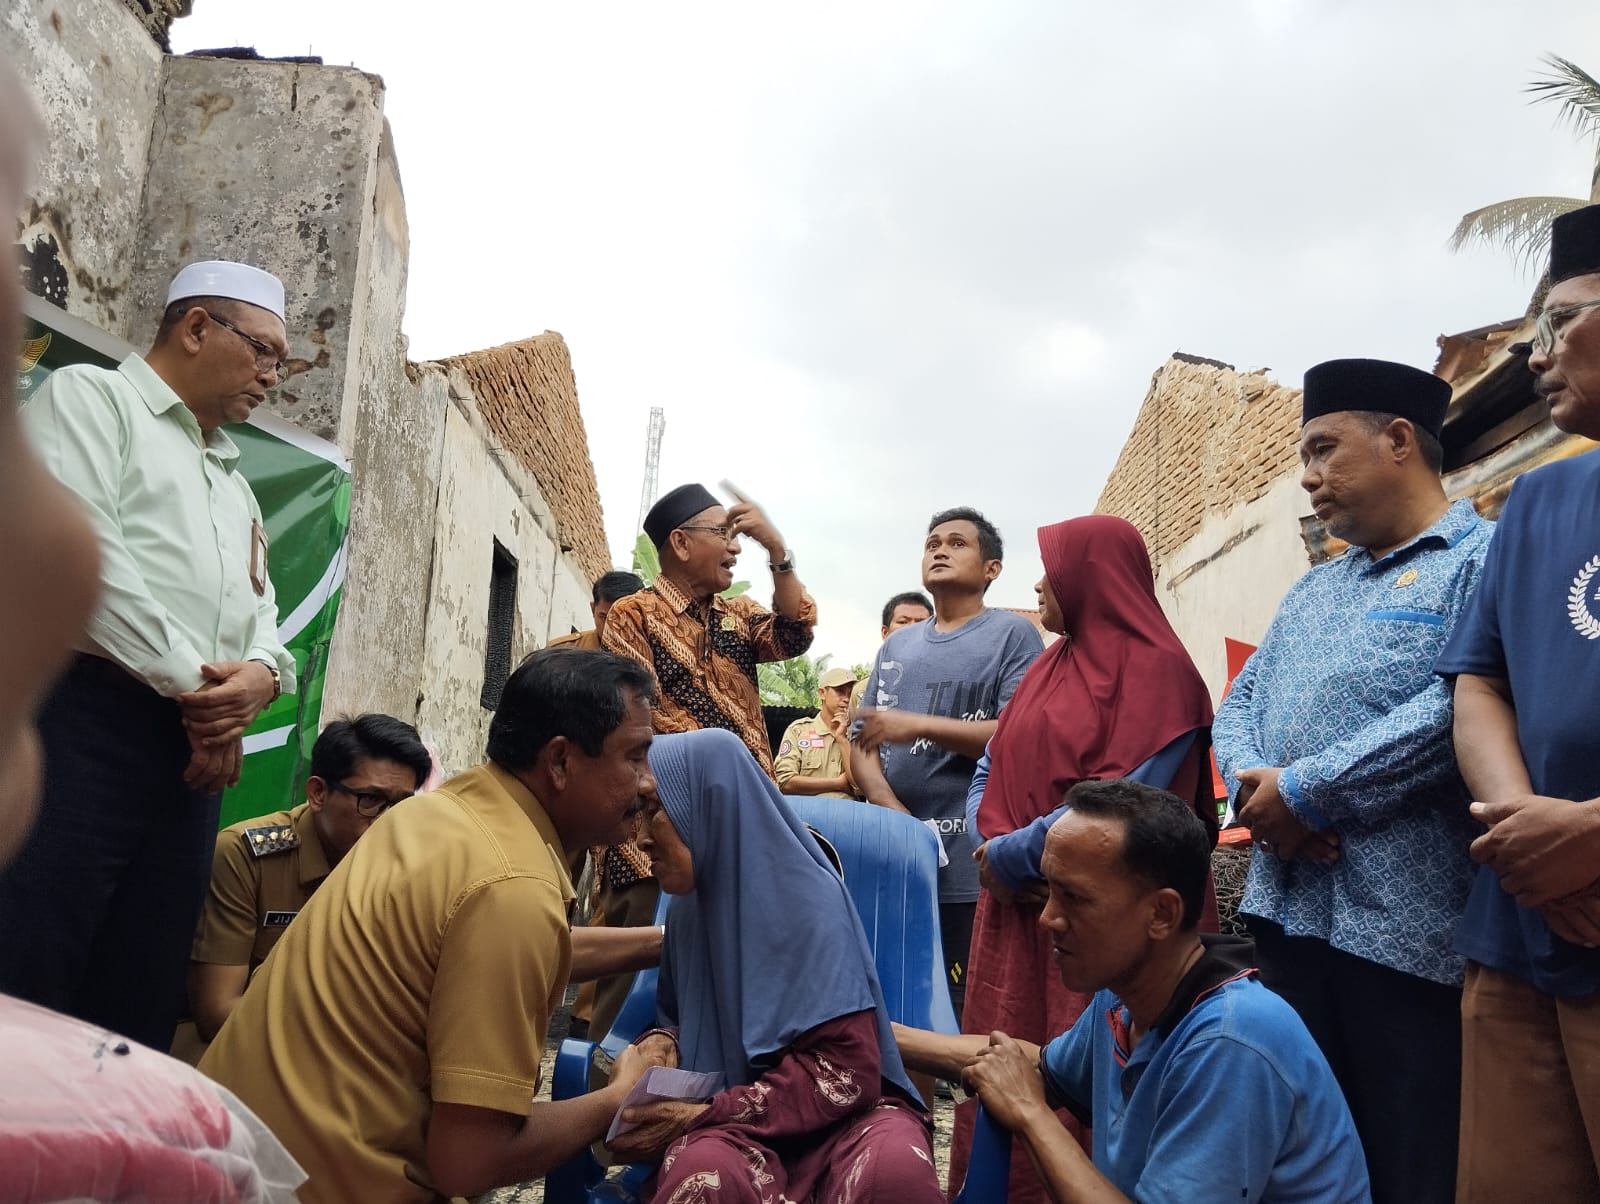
(813, 754)
(1402, 644)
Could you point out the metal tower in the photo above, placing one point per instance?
(652, 462)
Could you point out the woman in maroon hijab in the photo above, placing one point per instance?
(1118, 697)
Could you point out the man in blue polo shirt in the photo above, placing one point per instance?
(1526, 663)
(1335, 739)
(1200, 1084)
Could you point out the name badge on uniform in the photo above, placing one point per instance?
(258, 558)
(278, 919)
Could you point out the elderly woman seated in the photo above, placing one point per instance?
(767, 977)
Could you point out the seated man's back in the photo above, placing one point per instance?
(1228, 1098)
(425, 969)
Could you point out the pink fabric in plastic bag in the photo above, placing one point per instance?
(86, 1114)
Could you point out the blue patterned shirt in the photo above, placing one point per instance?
(1342, 696)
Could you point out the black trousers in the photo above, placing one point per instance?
(955, 938)
(1394, 1043)
(98, 910)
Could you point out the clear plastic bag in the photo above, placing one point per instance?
(88, 1115)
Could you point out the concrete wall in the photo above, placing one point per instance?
(152, 162)
(275, 164)
(1227, 579)
(480, 504)
(157, 16)
(96, 76)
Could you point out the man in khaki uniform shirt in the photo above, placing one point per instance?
(265, 869)
(393, 1040)
(813, 757)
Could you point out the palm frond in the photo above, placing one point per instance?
(1520, 226)
(1573, 89)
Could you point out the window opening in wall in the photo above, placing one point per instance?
(502, 612)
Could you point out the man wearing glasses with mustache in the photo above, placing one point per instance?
(265, 869)
(143, 731)
(1526, 662)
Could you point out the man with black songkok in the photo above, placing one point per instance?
(1335, 739)
(703, 649)
(1526, 660)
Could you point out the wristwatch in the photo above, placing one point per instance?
(785, 565)
(277, 679)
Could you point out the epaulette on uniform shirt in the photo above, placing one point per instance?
(274, 838)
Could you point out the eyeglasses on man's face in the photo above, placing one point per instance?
(266, 357)
(1548, 325)
(369, 803)
(724, 532)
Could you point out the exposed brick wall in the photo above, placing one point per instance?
(1207, 438)
(529, 398)
(158, 15)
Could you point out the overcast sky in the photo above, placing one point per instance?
(877, 259)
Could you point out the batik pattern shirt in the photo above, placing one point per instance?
(704, 656)
(1341, 695)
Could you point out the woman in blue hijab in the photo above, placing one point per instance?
(766, 976)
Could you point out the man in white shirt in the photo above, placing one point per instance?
(144, 730)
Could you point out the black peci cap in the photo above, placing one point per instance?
(674, 509)
(1378, 387)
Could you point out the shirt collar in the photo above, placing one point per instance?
(676, 598)
(161, 399)
(1459, 521)
(314, 865)
(540, 818)
(1222, 960)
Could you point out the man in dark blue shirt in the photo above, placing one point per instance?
(1200, 1084)
(1526, 662)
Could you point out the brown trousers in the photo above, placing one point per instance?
(1530, 1093)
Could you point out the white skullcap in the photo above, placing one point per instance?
(236, 281)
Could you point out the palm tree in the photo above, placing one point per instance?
(1522, 225)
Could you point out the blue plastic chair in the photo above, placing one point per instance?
(890, 865)
(891, 869)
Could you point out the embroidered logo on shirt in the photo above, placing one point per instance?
(1583, 618)
(1406, 579)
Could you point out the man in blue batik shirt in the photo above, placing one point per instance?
(1335, 739)
(1526, 660)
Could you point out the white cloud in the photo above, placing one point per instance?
(876, 259)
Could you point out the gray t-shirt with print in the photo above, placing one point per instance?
(969, 673)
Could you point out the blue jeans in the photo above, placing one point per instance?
(98, 910)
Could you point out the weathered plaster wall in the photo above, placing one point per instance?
(157, 16)
(1226, 580)
(96, 76)
(396, 444)
(274, 164)
(153, 162)
(481, 501)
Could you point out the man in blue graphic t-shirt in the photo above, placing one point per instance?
(932, 702)
(1526, 663)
